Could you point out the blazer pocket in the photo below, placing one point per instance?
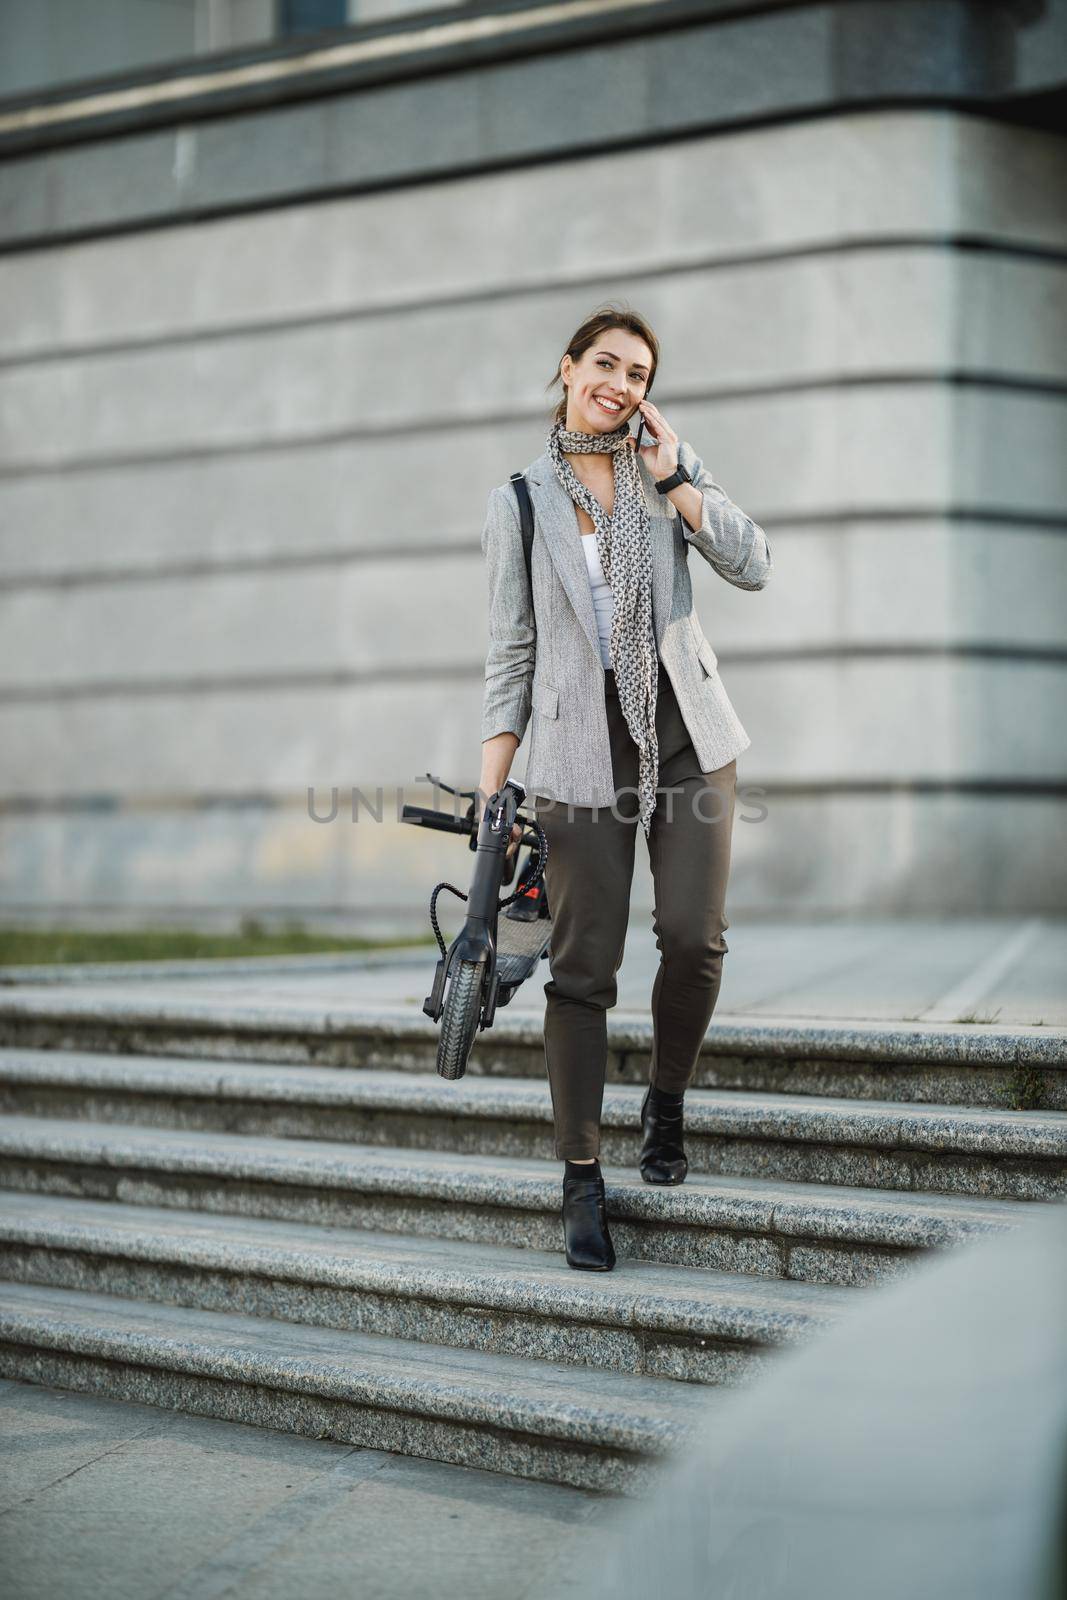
(546, 699)
(708, 659)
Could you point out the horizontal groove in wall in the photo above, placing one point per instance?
(919, 63)
(854, 518)
(299, 680)
(800, 789)
(192, 214)
(414, 428)
(174, 914)
(518, 289)
(388, 51)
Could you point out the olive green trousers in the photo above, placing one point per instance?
(591, 852)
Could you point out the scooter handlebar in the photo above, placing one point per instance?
(445, 821)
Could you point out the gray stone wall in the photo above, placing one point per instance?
(246, 458)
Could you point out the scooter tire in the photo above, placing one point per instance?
(460, 1018)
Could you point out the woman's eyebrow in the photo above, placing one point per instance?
(637, 366)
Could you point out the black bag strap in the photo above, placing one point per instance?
(526, 522)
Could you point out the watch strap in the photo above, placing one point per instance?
(679, 475)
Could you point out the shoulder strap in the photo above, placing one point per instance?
(526, 522)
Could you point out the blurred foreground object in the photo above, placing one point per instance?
(919, 1449)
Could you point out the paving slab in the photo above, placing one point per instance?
(1006, 970)
(229, 1509)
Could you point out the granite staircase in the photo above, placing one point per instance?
(283, 1216)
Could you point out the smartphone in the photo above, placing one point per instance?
(640, 431)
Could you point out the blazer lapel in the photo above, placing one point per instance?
(557, 522)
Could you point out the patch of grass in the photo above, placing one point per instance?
(33, 946)
(1027, 1090)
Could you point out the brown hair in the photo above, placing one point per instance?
(598, 322)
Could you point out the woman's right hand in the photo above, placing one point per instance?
(494, 776)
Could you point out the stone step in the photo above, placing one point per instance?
(816, 1233)
(980, 1065)
(661, 1321)
(581, 1426)
(1019, 1155)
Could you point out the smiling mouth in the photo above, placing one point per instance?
(612, 410)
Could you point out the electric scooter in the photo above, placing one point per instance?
(493, 954)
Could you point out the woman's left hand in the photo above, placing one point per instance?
(660, 458)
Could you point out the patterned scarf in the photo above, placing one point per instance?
(625, 549)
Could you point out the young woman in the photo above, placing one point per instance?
(630, 726)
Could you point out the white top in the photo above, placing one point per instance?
(603, 599)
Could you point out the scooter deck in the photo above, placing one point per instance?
(520, 946)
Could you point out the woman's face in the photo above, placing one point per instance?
(604, 386)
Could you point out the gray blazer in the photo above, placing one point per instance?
(547, 674)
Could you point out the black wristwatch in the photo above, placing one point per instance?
(679, 475)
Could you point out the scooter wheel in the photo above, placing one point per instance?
(460, 1017)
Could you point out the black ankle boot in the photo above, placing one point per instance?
(662, 1158)
(585, 1218)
